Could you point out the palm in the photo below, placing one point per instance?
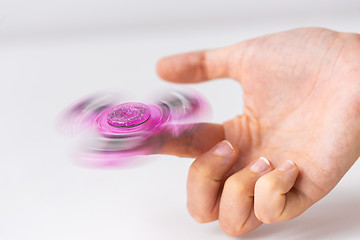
(295, 107)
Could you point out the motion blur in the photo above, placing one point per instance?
(112, 130)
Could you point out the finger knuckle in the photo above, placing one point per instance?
(230, 229)
(267, 184)
(234, 185)
(199, 169)
(266, 218)
(199, 215)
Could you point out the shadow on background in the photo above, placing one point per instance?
(333, 216)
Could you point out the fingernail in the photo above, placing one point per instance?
(260, 165)
(224, 148)
(287, 165)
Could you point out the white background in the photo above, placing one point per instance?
(53, 52)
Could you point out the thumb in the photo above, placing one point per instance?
(196, 66)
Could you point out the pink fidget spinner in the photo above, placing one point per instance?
(115, 132)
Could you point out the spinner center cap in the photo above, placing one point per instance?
(128, 114)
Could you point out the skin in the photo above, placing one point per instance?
(302, 102)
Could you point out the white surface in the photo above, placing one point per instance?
(49, 58)
(32, 17)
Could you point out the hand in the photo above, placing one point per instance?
(302, 103)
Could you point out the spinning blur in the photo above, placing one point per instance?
(112, 132)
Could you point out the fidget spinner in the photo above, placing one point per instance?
(114, 131)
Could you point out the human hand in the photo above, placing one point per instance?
(302, 102)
